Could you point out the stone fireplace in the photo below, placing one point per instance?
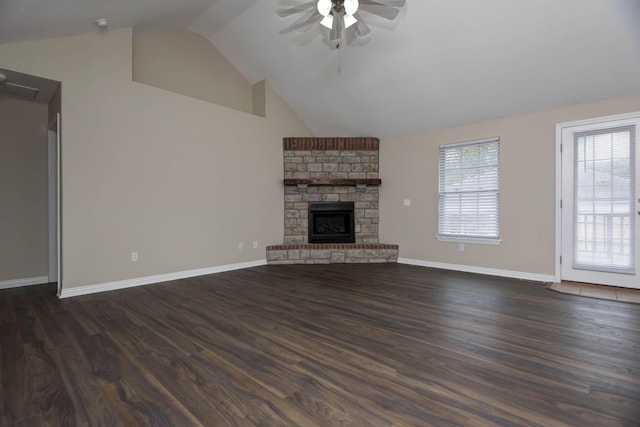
(321, 177)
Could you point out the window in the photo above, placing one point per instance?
(469, 202)
(603, 188)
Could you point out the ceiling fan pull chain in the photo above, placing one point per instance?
(339, 44)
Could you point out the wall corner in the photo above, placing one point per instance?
(259, 99)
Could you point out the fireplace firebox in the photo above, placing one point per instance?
(331, 222)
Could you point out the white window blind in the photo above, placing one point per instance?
(469, 202)
(604, 199)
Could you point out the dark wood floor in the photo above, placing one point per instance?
(336, 345)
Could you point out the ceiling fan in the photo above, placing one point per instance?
(341, 15)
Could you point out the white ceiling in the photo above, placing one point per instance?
(36, 19)
(441, 63)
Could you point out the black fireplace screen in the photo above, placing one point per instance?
(331, 222)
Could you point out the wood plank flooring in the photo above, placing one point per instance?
(320, 345)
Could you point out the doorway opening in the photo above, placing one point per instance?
(31, 137)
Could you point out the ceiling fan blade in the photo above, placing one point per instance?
(306, 20)
(361, 28)
(297, 9)
(394, 3)
(386, 12)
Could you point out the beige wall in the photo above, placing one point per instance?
(187, 63)
(182, 181)
(177, 179)
(259, 100)
(409, 170)
(23, 189)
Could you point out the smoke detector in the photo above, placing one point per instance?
(102, 24)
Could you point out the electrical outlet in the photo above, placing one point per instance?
(134, 256)
(240, 246)
(461, 247)
(255, 244)
(407, 202)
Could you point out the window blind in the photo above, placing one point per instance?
(469, 201)
(604, 200)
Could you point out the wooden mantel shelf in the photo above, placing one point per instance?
(356, 182)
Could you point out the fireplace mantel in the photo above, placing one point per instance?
(334, 182)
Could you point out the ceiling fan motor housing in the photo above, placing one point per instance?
(348, 7)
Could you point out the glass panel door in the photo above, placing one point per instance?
(600, 204)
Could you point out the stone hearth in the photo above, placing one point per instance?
(331, 170)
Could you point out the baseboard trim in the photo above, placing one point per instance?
(18, 283)
(149, 280)
(534, 277)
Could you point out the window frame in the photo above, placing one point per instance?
(469, 238)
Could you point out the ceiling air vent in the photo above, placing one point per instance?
(15, 89)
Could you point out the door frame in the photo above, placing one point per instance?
(560, 127)
(53, 153)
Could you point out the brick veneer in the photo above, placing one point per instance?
(331, 159)
(338, 144)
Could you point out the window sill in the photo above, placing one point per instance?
(473, 240)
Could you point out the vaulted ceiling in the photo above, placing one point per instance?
(440, 63)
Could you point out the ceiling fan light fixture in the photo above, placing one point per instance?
(324, 7)
(327, 21)
(339, 15)
(351, 6)
(349, 20)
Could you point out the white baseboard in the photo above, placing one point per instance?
(18, 283)
(534, 277)
(141, 281)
